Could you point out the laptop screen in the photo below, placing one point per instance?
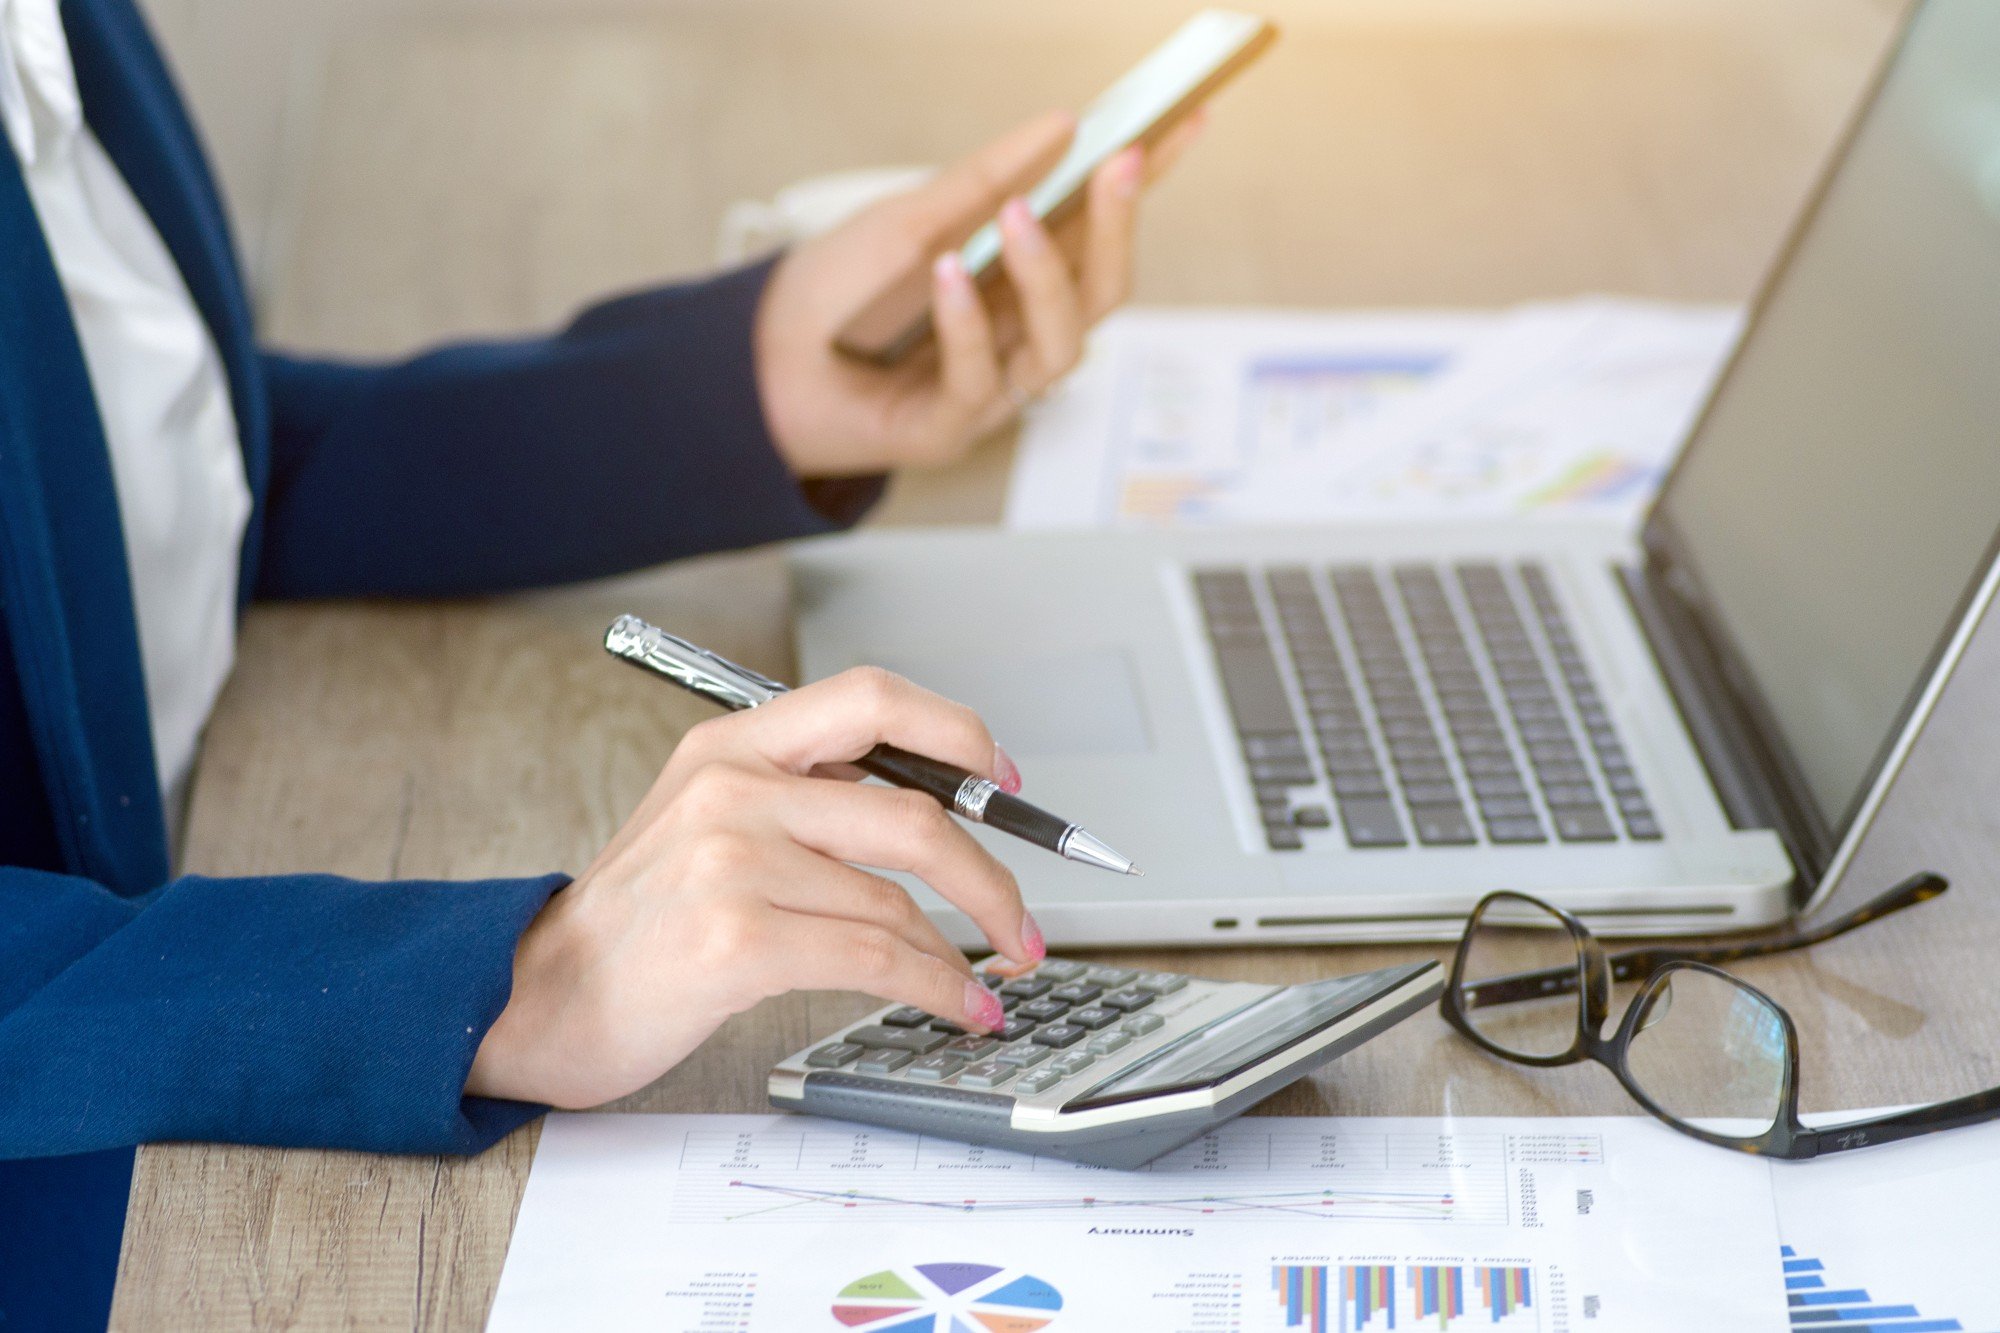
(1840, 496)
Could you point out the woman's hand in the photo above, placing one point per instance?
(729, 884)
(832, 416)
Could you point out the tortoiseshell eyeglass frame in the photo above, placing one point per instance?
(1653, 968)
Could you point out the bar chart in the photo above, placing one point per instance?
(1375, 1298)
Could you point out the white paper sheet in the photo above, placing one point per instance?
(790, 1224)
(1905, 1232)
(1572, 408)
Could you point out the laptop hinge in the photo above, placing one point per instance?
(1721, 738)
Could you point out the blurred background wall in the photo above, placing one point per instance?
(404, 168)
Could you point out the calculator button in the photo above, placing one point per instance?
(1074, 1063)
(946, 1026)
(1112, 976)
(1160, 983)
(917, 1041)
(881, 1063)
(906, 1017)
(970, 1047)
(1060, 1035)
(834, 1055)
(1142, 1024)
(1094, 1017)
(1023, 1054)
(1059, 971)
(1015, 1029)
(1077, 992)
(1028, 988)
(1130, 1000)
(1039, 1081)
(986, 1074)
(935, 1068)
(1043, 1011)
(1104, 1043)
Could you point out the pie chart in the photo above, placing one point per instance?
(947, 1298)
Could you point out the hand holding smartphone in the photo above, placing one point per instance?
(1151, 98)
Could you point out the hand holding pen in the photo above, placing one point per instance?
(968, 795)
(743, 873)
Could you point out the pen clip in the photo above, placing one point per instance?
(692, 667)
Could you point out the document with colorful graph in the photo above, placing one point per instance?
(783, 1224)
(1188, 418)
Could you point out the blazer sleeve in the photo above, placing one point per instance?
(633, 436)
(302, 1011)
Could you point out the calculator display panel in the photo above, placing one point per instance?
(1231, 1044)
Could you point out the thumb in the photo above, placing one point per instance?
(969, 192)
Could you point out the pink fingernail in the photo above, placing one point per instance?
(1031, 939)
(983, 1007)
(949, 270)
(1005, 774)
(1016, 218)
(1130, 164)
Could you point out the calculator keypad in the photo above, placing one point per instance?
(1065, 1020)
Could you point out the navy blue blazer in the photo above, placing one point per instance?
(303, 1009)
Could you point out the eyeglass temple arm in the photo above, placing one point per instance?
(1920, 887)
(1972, 1109)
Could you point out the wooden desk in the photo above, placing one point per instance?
(447, 190)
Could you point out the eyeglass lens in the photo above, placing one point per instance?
(1512, 937)
(1710, 1049)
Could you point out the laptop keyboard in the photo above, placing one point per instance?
(1444, 706)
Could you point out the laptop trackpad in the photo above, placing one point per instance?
(1084, 701)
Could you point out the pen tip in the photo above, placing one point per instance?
(1134, 870)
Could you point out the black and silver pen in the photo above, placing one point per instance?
(722, 681)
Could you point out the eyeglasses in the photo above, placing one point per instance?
(1530, 984)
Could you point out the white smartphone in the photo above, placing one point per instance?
(1151, 98)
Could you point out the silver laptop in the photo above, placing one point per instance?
(1354, 733)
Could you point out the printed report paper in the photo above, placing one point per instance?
(787, 1224)
(1180, 418)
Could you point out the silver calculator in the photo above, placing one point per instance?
(1100, 1064)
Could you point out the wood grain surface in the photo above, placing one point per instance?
(489, 176)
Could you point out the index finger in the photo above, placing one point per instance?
(842, 718)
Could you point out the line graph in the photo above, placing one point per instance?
(1331, 1205)
(826, 1172)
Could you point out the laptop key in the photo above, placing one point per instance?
(1431, 793)
(1507, 807)
(1515, 831)
(1426, 772)
(1372, 823)
(1256, 694)
(1560, 795)
(1443, 826)
(1292, 772)
(1359, 786)
(1584, 825)
(1288, 746)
